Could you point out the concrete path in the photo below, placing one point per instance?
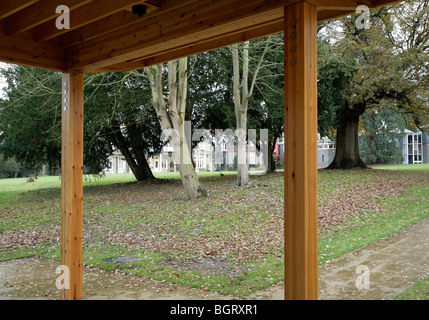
(385, 268)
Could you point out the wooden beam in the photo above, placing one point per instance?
(381, 3)
(198, 47)
(329, 15)
(198, 22)
(301, 265)
(72, 182)
(155, 3)
(98, 28)
(340, 5)
(38, 13)
(8, 8)
(83, 16)
(21, 49)
(115, 22)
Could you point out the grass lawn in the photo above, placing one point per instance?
(402, 167)
(237, 229)
(419, 291)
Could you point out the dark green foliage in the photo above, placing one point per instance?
(9, 168)
(30, 117)
(381, 130)
(117, 113)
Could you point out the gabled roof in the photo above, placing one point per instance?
(105, 35)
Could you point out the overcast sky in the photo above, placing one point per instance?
(2, 84)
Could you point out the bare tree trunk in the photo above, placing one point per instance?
(271, 164)
(242, 95)
(135, 157)
(241, 104)
(172, 116)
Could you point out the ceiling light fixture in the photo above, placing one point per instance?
(139, 10)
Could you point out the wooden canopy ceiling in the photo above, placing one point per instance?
(105, 35)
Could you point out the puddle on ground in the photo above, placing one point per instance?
(34, 278)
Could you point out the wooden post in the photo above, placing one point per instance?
(301, 152)
(72, 183)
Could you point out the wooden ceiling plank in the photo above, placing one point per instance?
(202, 21)
(326, 13)
(338, 4)
(196, 48)
(333, 9)
(7, 8)
(22, 51)
(348, 5)
(98, 28)
(83, 16)
(38, 13)
(329, 14)
(23, 59)
(149, 30)
(159, 28)
(155, 3)
(115, 22)
(381, 3)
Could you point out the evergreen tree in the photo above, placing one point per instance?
(380, 132)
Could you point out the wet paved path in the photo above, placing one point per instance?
(393, 264)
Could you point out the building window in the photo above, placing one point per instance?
(414, 148)
(200, 162)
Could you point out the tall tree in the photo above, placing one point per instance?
(380, 131)
(379, 65)
(172, 118)
(267, 109)
(212, 89)
(243, 89)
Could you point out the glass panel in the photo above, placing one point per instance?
(420, 138)
(410, 138)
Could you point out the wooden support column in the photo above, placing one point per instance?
(301, 152)
(72, 183)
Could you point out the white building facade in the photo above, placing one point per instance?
(415, 147)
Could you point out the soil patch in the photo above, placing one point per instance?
(209, 266)
(122, 260)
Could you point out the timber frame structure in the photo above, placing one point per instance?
(107, 36)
